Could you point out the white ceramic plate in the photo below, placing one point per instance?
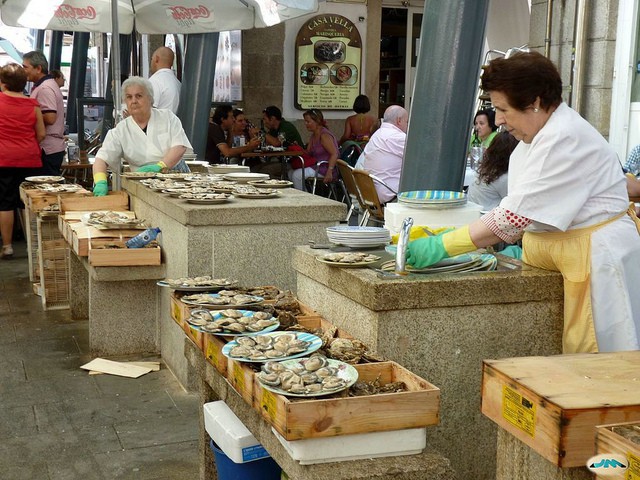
(267, 184)
(346, 265)
(256, 195)
(345, 371)
(206, 201)
(195, 288)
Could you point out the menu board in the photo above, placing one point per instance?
(328, 63)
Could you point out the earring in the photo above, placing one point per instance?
(535, 110)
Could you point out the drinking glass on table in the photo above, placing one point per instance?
(281, 138)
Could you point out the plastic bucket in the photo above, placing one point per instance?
(263, 469)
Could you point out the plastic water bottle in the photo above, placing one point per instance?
(144, 238)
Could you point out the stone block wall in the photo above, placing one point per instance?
(600, 47)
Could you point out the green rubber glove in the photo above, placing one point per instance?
(429, 250)
(101, 188)
(153, 168)
(426, 251)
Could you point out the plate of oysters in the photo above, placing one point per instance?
(139, 175)
(45, 179)
(308, 377)
(231, 322)
(222, 300)
(271, 183)
(272, 346)
(249, 191)
(112, 220)
(206, 198)
(348, 259)
(205, 283)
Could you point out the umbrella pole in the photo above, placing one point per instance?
(115, 64)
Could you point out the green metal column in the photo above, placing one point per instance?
(55, 50)
(78, 77)
(443, 98)
(197, 85)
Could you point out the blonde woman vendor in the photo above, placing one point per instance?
(567, 196)
(149, 139)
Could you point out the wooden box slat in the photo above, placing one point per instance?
(610, 442)
(326, 417)
(113, 201)
(553, 404)
(121, 256)
(212, 348)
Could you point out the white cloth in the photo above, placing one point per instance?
(296, 177)
(569, 177)
(488, 195)
(383, 156)
(166, 89)
(128, 141)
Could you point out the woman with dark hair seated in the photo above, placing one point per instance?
(359, 127)
(491, 184)
(484, 128)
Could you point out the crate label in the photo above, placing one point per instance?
(633, 473)
(238, 376)
(176, 311)
(518, 411)
(253, 453)
(268, 404)
(212, 354)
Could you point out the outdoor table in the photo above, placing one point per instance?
(284, 155)
(80, 172)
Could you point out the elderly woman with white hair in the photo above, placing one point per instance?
(149, 139)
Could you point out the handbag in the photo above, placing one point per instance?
(307, 160)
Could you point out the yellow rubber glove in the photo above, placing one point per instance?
(420, 231)
(458, 241)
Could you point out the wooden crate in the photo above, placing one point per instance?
(241, 376)
(553, 404)
(82, 235)
(121, 256)
(117, 201)
(196, 336)
(37, 200)
(212, 348)
(610, 441)
(179, 311)
(53, 263)
(296, 419)
(31, 233)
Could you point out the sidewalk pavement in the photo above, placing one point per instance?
(57, 422)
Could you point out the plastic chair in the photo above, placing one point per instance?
(332, 185)
(367, 188)
(346, 173)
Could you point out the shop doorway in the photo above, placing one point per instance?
(399, 41)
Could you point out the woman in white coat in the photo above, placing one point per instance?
(567, 199)
(149, 139)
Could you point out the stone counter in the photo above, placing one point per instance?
(244, 239)
(441, 327)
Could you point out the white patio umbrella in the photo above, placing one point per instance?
(150, 16)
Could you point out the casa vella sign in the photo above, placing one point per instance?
(328, 63)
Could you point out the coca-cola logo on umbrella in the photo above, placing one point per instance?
(69, 15)
(185, 16)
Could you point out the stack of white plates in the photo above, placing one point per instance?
(432, 199)
(358, 237)
(244, 177)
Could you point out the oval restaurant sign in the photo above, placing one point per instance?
(328, 63)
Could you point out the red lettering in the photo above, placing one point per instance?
(179, 12)
(78, 13)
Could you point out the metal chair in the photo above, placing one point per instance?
(367, 188)
(346, 173)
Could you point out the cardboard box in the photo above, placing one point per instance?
(553, 404)
(317, 417)
(621, 439)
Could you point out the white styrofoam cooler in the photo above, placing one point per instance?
(395, 213)
(310, 451)
(230, 434)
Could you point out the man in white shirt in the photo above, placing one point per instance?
(166, 87)
(384, 152)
